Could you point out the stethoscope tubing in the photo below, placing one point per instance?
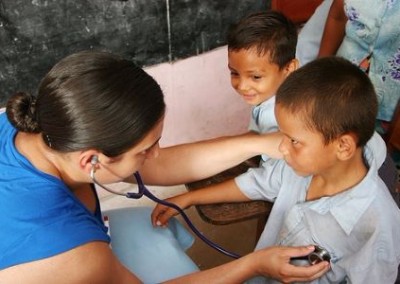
(191, 225)
(152, 197)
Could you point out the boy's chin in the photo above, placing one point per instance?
(299, 172)
(302, 174)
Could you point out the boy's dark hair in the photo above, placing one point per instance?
(270, 32)
(91, 99)
(333, 96)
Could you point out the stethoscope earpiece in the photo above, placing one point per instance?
(94, 160)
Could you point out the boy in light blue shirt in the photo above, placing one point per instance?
(326, 189)
(261, 54)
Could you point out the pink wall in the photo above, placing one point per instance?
(200, 101)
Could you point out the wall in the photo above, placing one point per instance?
(35, 34)
(179, 42)
(200, 100)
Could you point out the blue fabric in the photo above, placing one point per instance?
(263, 117)
(263, 120)
(40, 217)
(359, 227)
(153, 254)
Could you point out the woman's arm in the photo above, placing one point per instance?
(89, 263)
(272, 262)
(334, 30)
(194, 161)
(95, 263)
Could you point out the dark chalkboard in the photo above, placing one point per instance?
(35, 34)
(200, 25)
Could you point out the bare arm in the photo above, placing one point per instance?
(334, 30)
(90, 263)
(194, 161)
(226, 191)
(272, 262)
(94, 263)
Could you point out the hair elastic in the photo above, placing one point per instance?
(48, 140)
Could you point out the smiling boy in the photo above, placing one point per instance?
(261, 54)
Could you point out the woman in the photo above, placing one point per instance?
(95, 104)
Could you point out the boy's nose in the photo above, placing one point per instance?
(242, 86)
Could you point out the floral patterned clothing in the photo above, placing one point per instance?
(373, 32)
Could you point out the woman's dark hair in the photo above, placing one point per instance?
(268, 32)
(91, 99)
(332, 96)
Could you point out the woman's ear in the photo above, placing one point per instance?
(89, 159)
(347, 146)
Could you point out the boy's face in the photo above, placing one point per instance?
(253, 76)
(304, 149)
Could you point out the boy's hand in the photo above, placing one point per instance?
(162, 213)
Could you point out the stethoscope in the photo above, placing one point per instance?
(142, 190)
(319, 254)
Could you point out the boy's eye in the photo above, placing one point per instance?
(256, 77)
(294, 142)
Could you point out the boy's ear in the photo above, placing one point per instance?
(292, 66)
(347, 146)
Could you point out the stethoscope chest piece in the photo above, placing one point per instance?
(318, 255)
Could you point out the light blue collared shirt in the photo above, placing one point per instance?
(263, 120)
(263, 117)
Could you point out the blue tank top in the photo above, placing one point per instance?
(39, 215)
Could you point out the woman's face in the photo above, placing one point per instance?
(117, 169)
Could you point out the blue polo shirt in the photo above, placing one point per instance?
(39, 216)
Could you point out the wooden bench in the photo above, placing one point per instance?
(227, 213)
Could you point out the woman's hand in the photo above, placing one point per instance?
(275, 263)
